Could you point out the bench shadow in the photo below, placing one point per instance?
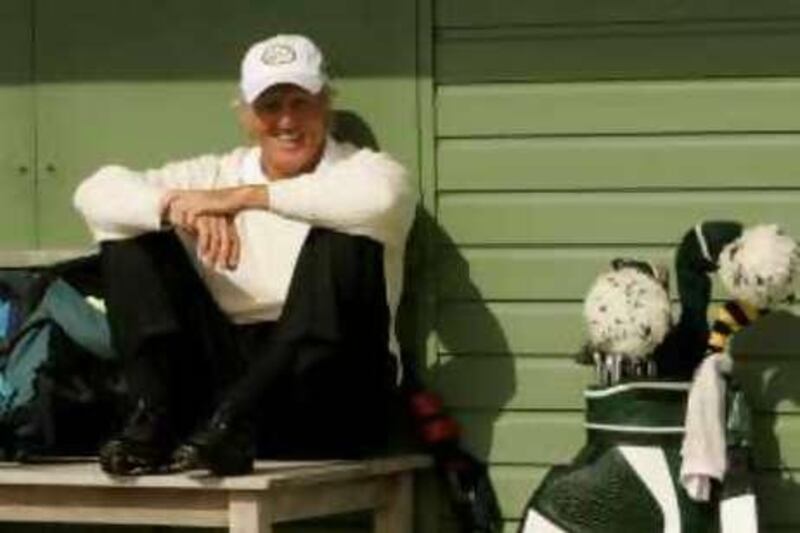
(767, 356)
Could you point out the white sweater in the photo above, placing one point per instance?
(360, 192)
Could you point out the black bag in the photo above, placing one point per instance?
(20, 291)
(61, 391)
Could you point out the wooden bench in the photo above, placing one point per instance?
(278, 491)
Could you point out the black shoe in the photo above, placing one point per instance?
(223, 447)
(143, 447)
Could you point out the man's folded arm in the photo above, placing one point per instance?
(367, 193)
(118, 202)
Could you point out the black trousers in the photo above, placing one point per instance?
(318, 382)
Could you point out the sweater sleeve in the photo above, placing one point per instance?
(366, 193)
(118, 202)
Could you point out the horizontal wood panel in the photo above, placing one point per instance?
(693, 161)
(618, 107)
(504, 328)
(554, 438)
(472, 274)
(479, 13)
(557, 383)
(556, 328)
(550, 273)
(625, 51)
(505, 382)
(604, 218)
(536, 274)
(523, 438)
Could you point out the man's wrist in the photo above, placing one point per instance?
(254, 197)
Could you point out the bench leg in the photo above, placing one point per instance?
(396, 515)
(249, 513)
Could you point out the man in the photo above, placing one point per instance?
(252, 295)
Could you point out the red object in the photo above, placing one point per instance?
(425, 404)
(440, 430)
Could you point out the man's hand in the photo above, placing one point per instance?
(183, 207)
(217, 240)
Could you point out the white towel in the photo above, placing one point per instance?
(704, 450)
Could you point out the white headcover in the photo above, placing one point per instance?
(760, 267)
(627, 313)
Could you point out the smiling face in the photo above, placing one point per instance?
(292, 125)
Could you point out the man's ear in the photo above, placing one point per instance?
(249, 121)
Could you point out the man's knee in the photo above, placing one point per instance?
(353, 259)
(144, 277)
(346, 245)
(155, 244)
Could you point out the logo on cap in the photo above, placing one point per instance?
(278, 54)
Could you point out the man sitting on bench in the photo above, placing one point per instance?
(251, 295)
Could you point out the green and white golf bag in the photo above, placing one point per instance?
(626, 477)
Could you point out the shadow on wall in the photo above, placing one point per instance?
(419, 319)
(767, 359)
(476, 386)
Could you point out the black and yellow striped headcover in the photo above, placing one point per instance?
(731, 318)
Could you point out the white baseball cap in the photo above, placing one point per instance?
(293, 59)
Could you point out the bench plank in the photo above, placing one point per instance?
(278, 491)
(267, 474)
(108, 505)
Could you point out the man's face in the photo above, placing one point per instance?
(293, 127)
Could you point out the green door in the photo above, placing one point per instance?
(139, 82)
(17, 185)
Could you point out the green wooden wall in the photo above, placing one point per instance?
(547, 137)
(17, 153)
(571, 132)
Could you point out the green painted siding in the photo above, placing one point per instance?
(711, 161)
(507, 13)
(17, 186)
(569, 133)
(547, 137)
